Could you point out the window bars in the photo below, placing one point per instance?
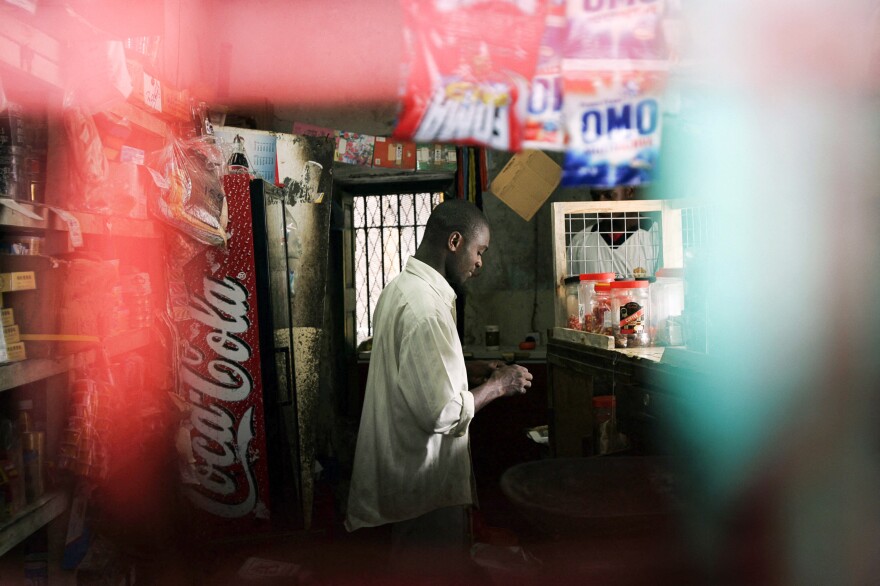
(387, 230)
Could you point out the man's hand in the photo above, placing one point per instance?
(513, 379)
(505, 381)
(479, 371)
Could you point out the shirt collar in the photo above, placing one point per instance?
(423, 271)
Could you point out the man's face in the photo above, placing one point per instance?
(467, 258)
(614, 194)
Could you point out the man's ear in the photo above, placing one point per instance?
(455, 241)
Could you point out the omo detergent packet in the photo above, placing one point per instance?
(470, 62)
(614, 73)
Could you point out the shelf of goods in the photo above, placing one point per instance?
(32, 518)
(33, 53)
(27, 371)
(89, 223)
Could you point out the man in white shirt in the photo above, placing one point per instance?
(628, 246)
(412, 465)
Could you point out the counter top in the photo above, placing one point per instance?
(505, 353)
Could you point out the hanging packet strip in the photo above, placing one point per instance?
(470, 64)
(614, 73)
(544, 128)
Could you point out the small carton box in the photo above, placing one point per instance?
(394, 155)
(526, 181)
(354, 148)
(11, 334)
(20, 281)
(12, 352)
(436, 157)
(7, 317)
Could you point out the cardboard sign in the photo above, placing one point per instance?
(526, 181)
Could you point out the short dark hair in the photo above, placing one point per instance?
(454, 215)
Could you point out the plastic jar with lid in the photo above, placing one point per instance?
(572, 318)
(598, 317)
(586, 283)
(630, 307)
(667, 304)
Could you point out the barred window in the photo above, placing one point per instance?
(387, 230)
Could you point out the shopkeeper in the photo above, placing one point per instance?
(412, 465)
(625, 244)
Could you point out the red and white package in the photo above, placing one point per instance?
(544, 128)
(469, 70)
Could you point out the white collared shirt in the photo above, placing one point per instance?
(589, 253)
(412, 451)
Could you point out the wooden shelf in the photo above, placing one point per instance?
(16, 374)
(103, 225)
(33, 517)
(34, 53)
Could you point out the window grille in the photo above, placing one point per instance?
(627, 243)
(387, 229)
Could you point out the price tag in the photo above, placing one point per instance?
(73, 227)
(152, 92)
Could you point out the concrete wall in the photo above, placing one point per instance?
(515, 290)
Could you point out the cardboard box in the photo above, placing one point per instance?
(394, 155)
(12, 352)
(7, 318)
(526, 181)
(354, 148)
(175, 104)
(436, 157)
(11, 334)
(21, 281)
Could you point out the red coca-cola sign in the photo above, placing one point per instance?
(220, 375)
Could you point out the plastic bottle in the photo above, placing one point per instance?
(630, 307)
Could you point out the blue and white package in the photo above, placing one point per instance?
(614, 73)
(613, 122)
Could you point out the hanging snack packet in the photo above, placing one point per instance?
(191, 196)
(614, 74)
(544, 128)
(469, 71)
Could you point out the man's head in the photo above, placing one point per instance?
(613, 193)
(456, 236)
(615, 222)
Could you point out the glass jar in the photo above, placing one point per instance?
(598, 317)
(630, 308)
(667, 304)
(586, 283)
(493, 338)
(571, 319)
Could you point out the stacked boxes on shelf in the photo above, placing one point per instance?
(11, 347)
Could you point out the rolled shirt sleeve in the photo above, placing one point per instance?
(433, 379)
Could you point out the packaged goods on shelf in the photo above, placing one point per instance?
(11, 334)
(8, 317)
(394, 154)
(436, 157)
(19, 281)
(13, 352)
(36, 310)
